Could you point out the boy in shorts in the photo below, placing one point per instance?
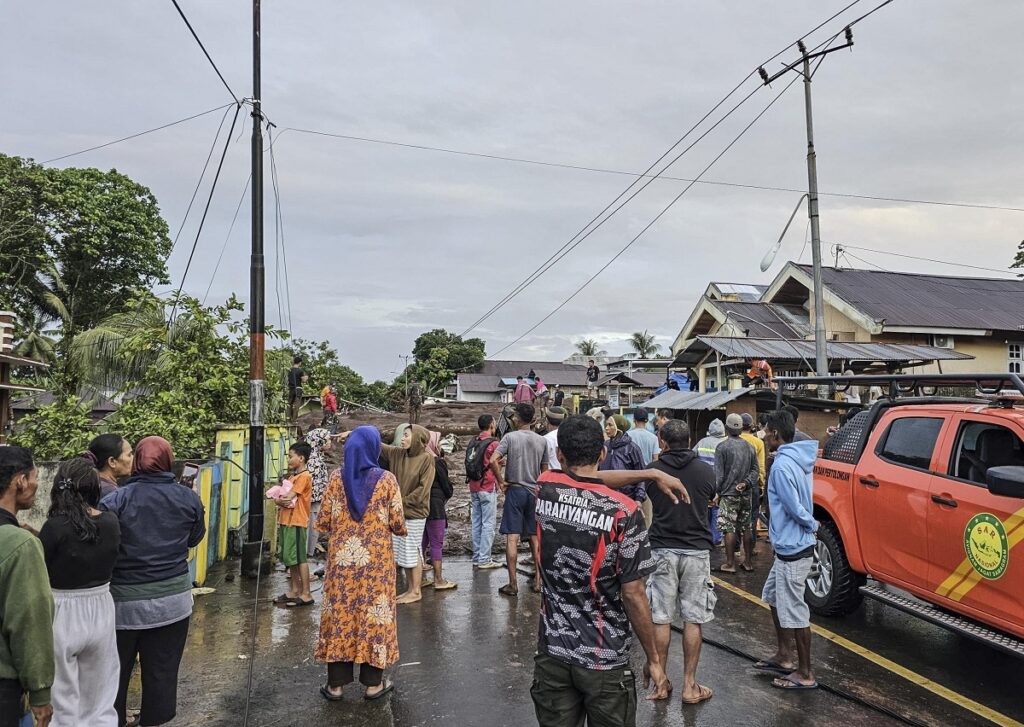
(292, 520)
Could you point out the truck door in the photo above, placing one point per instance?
(892, 489)
(971, 532)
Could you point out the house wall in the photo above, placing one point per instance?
(480, 397)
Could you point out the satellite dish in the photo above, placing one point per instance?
(769, 257)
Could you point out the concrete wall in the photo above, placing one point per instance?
(37, 515)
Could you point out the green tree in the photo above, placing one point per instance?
(644, 344)
(1018, 261)
(463, 355)
(435, 373)
(34, 339)
(59, 430)
(589, 347)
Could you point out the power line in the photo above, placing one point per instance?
(224, 247)
(205, 52)
(844, 246)
(137, 135)
(649, 224)
(199, 183)
(279, 223)
(206, 210)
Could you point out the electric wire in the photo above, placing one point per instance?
(137, 135)
(650, 224)
(279, 219)
(205, 52)
(844, 246)
(202, 175)
(206, 210)
(224, 247)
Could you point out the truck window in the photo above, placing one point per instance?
(910, 441)
(980, 445)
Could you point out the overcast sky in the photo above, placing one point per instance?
(386, 242)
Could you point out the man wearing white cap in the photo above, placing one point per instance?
(736, 473)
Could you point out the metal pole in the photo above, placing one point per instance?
(252, 554)
(820, 361)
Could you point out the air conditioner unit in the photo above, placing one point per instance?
(942, 341)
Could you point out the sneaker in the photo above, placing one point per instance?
(489, 565)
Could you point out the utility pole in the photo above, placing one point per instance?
(405, 372)
(820, 359)
(252, 550)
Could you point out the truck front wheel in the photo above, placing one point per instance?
(835, 589)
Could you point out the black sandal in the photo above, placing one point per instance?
(326, 693)
(389, 686)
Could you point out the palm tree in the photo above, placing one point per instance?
(589, 347)
(36, 342)
(644, 345)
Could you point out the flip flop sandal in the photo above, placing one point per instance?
(299, 603)
(705, 694)
(789, 683)
(283, 599)
(427, 584)
(325, 692)
(388, 688)
(508, 591)
(450, 585)
(720, 569)
(747, 568)
(772, 666)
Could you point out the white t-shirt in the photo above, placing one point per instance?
(552, 439)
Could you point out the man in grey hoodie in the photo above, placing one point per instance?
(705, 449)
(792, 533)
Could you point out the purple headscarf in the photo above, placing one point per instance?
(361, 470)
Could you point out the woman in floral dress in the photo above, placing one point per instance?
(361, 510)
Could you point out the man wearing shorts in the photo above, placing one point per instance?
(736, 472)
(792, 531)
(524, 455)
(681, 584)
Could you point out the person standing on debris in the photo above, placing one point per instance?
(320, 442)
(437, 518)
(415, 401)
(559, 396)
(590, 534)
(736, 473)
(749, 435)
(524, 455)
(26, 604)
(482, 496)
(80, 544)
(705, 449)
(413, 466)
(555, 415)
(111, 455)
(361, 514)
(329, 402)
(151, 585)
(792, 533)
(681, 584)
(542, 393)
(593, 374)
(523, 393)
(295, 377)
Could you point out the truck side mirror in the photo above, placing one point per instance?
(1006, 481)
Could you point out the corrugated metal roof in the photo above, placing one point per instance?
(693, 401)
(766, 320)
(506, 369)
(798, 350)
(930, 301)
(479, 383)
(743, 291)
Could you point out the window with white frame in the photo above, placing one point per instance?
(1015, 354)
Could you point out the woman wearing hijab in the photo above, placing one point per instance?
(319, 441)
(437, 518)
(622, 453)
(151, 586)
(361, 512)
(413, 466)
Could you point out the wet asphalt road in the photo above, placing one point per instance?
(466, 659)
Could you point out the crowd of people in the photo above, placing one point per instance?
(638, 532)
(104, 585)
(620, 522)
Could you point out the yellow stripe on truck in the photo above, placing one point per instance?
(1012, 539)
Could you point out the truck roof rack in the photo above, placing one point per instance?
(897, 385)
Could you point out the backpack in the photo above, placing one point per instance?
(475, 458)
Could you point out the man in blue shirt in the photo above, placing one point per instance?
(643, 437)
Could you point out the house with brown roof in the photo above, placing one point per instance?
(874, 320)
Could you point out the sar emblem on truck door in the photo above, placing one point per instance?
(986, 546)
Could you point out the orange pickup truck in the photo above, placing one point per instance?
(925, 494)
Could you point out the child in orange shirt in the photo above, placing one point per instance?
(292, 522)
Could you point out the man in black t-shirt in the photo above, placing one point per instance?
(681, 584)
(593, 374)
(295, 375)
(594, 554)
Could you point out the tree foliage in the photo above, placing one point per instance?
(644, 344)
(57, 431)
(1018, 261)
(589, 347)
(463, 355)
(322, 365)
